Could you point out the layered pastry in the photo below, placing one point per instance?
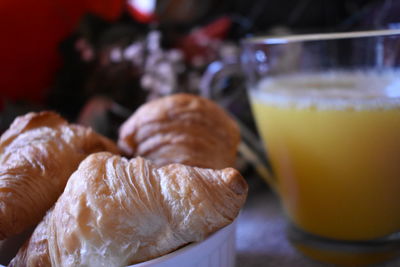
(181, 128)
(116, 212)
(38, 153)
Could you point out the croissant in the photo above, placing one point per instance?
(38, 153)
(116, 212)
(181, 128)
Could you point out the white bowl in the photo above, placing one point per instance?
(218, 250)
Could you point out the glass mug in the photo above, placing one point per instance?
(328, 109)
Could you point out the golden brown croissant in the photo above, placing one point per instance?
(181, 128)
(38, 153)
(116, 212)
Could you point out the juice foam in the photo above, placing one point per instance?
(332, 90)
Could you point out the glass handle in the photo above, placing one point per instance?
(251, 147)
(260, 167)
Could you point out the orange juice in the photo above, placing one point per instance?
(334, 144)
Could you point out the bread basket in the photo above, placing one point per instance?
(218, 250)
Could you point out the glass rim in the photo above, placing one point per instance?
(284, 39)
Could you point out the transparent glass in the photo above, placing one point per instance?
(328, 109)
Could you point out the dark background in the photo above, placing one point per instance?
(80, 79)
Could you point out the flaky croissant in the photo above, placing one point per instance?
(38, 153)
(116, 212)
(181, 128)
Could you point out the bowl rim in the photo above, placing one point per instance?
(231, 227)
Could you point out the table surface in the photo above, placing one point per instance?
(261, 237)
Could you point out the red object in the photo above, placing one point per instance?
(197, 43)
(139, 14)
(31, 31)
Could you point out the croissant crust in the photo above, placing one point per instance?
(38, 153)
(181, 128)
(116, 212)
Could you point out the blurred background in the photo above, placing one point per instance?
(96, 61)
